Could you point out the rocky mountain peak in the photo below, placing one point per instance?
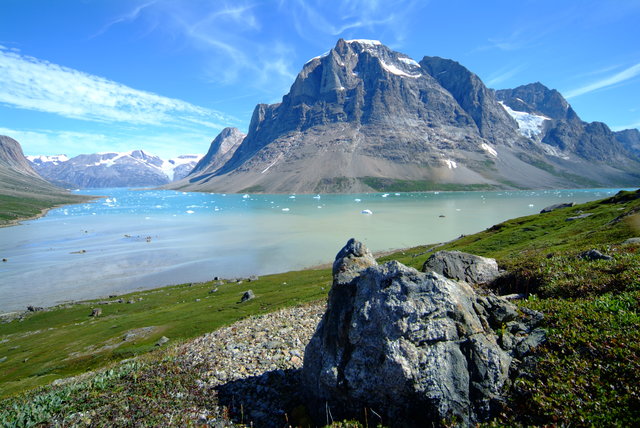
(221, 150)
(537, 98)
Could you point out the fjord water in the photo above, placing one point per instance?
(141, 239)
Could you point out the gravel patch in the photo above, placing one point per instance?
(254, 365)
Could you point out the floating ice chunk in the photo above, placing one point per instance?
(358, 200)
(245, 196)
(316, 197)
(397, 194)
(458, 209)
(292, 197)
(190, 211)
(385, 195)
(285, 209)
(158, 206)
(319, 206)
(147, 218)
(368, 212)
(531, 205)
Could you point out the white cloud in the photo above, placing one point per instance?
(619, 77)
(34, 84)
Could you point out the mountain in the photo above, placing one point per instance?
(630, 139)
(23, 193)
(221, 150)
(363, 117)
(128, 169)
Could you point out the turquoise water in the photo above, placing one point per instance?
(141, 239)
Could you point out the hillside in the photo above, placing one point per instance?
(23, 193)
(364, 118)
(587, 371)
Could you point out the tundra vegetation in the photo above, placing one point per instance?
(586, 373)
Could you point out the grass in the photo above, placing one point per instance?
(66, 341)
(586, 374)
(15, 208)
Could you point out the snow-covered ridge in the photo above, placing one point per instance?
(365, 42)
(54, 159)
(174, 168)
(531, 125)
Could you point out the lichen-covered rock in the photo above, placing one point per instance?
(415, 348)
(554, 207)
(462, 266)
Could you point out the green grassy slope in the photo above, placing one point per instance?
(587, 372)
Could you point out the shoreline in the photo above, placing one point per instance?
(44, 211)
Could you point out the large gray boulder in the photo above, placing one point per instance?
(414, 348)
(462, 267)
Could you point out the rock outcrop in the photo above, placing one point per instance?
(554, 207)
(413, 348)
(462, 267)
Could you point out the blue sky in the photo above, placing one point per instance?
(85, 76)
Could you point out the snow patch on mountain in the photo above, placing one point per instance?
(531, 125)
(365, 42)
(409, 61)
(54, 159)
(487, 148)
(395, 70)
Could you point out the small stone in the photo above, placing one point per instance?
(594, 255)
(162, 341)
(130, 301)
(5, 260)
(632, 241)
(34, 308)
(248, 295)
(96, 312)
(213, 290)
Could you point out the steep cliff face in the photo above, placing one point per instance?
(18, 178)
(12, 157)
(221, 150)
(362, 117)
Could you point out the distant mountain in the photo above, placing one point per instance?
(129, 169)
(23, 193)
(221, 150)
(363, 117)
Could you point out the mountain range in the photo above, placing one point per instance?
(129, 169)
(363, 117)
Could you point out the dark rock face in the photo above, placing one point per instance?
(462, 267)
(556, 207)
(415, 348)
